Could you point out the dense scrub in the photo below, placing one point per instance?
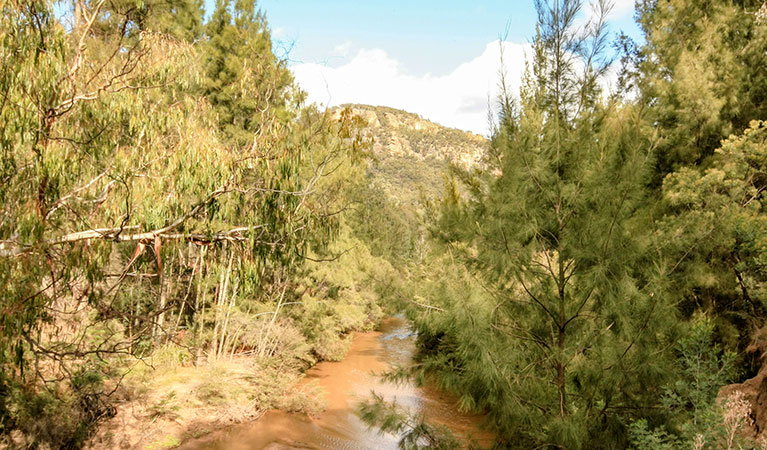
(164, 193)
(599, 281)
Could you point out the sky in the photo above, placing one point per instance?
(436, 58)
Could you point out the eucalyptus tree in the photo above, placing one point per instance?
(179, 19)
(110, 160)
(576, 337)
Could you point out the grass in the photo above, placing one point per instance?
(165, 405)
(166, 408)
(165, 443)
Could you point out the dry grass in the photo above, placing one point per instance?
(164, 406)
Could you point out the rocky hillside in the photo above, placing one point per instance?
(412, 153)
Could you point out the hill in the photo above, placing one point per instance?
(411, 153)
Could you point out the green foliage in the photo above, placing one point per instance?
(249, 88)
(700, 73)
(181, 19)
(694, 416)
(704, 369)
(60, 418)
(568, 336)
(134, 215)
(389, 230)
(642, 438)
(714, 229)
(574, 274)
(164, 192)
(408, 180)
(414, 432)
(339, 297)
(566, 282)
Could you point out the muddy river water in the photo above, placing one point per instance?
(346, 383)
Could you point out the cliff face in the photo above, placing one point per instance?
(412, 154)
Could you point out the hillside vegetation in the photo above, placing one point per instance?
(411, 156)
(598, 281)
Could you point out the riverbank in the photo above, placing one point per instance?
(344, 384)
(162, 408)
(251, 403)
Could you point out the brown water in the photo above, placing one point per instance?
(346, 383)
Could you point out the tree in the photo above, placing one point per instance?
(559, 242)
(249, 88)
(714, 231)
(178, 19)
(700, 78)
(114, 177)
(700, 73)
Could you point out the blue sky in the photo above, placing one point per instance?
(426, 36)
(437, 58)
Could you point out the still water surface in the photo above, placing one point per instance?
(346, 383)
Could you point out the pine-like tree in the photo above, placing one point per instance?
(249, 88)
(557, 241)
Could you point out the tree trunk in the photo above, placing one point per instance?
(561, 379)
(561, 374)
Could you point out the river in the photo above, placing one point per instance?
(346, 383)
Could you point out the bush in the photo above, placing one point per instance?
(307, 399)
(329, 346)
(53, 419)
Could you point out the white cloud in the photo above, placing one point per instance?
(279, 32)
(621, 8)
(342, 49)
(458, 99)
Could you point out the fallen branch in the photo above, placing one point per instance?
(238, 234)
